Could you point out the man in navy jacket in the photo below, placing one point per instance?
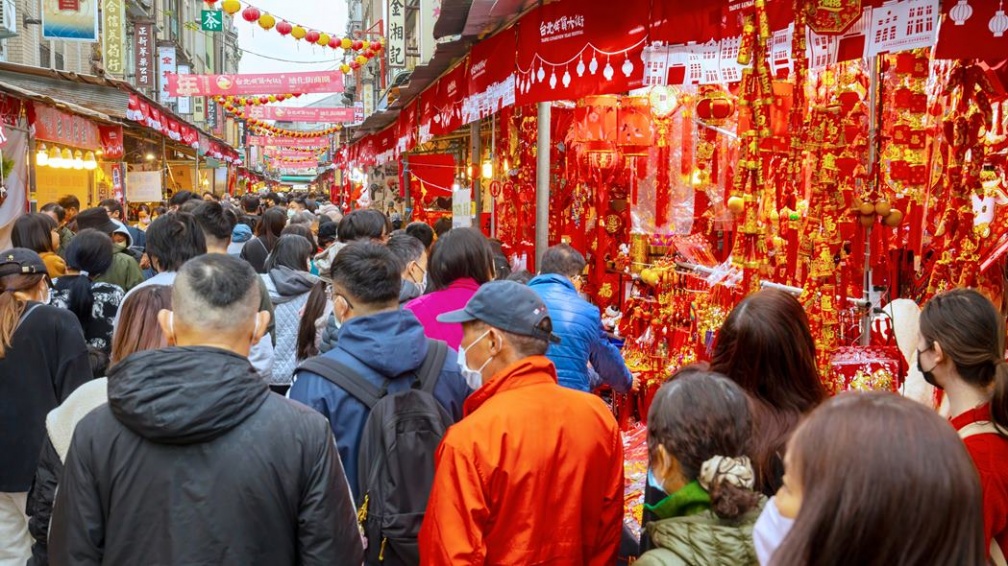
(578, 323)
(378, 341)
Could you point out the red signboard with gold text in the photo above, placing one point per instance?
(54, 125)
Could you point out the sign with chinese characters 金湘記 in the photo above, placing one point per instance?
(167, 64)
(257, 83)
(396, 34)
(113, 39)
(143, 54)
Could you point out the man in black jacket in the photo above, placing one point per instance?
(193, 460)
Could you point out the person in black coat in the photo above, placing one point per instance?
(193, 460)
(43, 358)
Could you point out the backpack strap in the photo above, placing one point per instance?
(430, 372)
(343, 376)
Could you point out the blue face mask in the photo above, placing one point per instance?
(653, 482)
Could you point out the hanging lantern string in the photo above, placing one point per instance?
(267, 21)
(579, 55)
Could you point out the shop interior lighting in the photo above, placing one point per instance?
(90, 163)
(487, 169)
(55, 158)
(78, 160)
(42, 156)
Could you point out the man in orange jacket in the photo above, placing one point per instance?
(533, 473)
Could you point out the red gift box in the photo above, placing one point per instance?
(866, 368)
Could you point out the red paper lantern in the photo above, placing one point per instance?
(357, 44)
(210, 2)
(263, 99)
(354, 65)
(334, 43)
(284, 28)
(312, 36)
(250, 14)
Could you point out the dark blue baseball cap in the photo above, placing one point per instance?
(509, 306)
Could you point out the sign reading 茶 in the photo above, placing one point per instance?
(212, 20)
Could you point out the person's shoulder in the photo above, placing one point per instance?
(293, 417)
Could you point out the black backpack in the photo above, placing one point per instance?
(396, 459)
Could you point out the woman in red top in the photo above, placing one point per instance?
(962, 351)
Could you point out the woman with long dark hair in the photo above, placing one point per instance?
(43, 358)
(94, 303)
(698, 433)
(462, 261)
(267, 233)
(962, 351)
(875, 479)
(40, 233)
(290, 287)
(766, 347)
(138, 330)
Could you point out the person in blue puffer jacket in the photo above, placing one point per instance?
(578, 323)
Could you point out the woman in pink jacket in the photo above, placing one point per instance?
(460, 263)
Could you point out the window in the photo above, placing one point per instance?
(46, 59)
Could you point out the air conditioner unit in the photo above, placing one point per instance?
(8, 19)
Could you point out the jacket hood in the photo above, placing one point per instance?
(286, 284)
(705, 538)
(241, 234)
(408, 292)
(325, 258)
(122, 229)
(184, 395)
(551, 279)
(371, 339)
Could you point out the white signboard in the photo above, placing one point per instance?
(462, 208)
(167, 63)
(396, 34)
(143, 186)
(184, 102)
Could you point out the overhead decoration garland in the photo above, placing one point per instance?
(365, 50)
(255, 100)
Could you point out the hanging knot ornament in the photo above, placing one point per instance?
(961, 12)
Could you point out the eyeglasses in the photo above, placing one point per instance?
(349, 304)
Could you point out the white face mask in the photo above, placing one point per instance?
(422, 285)
(48, 296)
(473, 378)
(769, 531)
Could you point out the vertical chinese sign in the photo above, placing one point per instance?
(167, 63)
(396, 34)
(184, 102)
(113, 40)
(143, 55)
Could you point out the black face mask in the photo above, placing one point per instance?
(928, 375)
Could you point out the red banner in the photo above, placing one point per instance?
(54, 125)
(491, 76)
(452, 90)
(294, 165)
(570, 49)
(286, 141)
(259, 83)
(301, 114)
(406, 127)
(290, 154)
(111, 141)
(426, 112)
(972, 34)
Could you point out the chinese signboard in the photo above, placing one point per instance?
(273, 83)
(167, 65)
(211, 114)
(143, 50)
(70, 20)
(198, 114)
(113, 38)
(143, 186)
(396, 34)
(212, 20)
(54, 125)
(295, 114)
(184, 102)
(284, 141)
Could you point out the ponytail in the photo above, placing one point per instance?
(314, 309)
(999, 403)
(80, 299)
